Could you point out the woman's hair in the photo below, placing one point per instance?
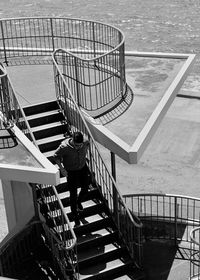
(78, 137)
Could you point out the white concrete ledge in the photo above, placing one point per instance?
(45, 172)
(132, 153)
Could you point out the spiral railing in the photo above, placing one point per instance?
(93, 60)
(166, 216)
(19, 249)
(10, 113)
(195, 254)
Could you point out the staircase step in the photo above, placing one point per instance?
(98, 254)
(46, 126)
(105, 270)
(49, 130)
(92, 194)
(40, 107)
(45, 118)
(42, 114)
(85, 217)
(133, 274)
(49, 155)
(125, 277)
(64, 196)
(97, 237)
(90, 226)
(50, 139)
(50, 143)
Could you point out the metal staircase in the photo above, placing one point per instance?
(101, 252)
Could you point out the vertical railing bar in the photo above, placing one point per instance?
(4, 47)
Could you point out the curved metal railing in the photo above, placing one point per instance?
(97, 84)
(10, 107)
(195, 254)
(55, 216)
(35, 36)
(93, 60)
(129, 226)
(182, 212)
(19, 247)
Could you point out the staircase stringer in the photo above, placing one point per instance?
(130, 229)
(67, 243)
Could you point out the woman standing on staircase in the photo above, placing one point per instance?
(72, 155)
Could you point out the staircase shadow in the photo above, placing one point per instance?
(117, 110)
(163, 260)
(96, 250)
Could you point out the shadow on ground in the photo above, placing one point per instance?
(162, 261)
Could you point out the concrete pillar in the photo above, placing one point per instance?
(18, 201)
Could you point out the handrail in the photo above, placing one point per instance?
(195, 253)
(55, 217)
(14, 112)
(45, 192)
(75, 20)
(162, 195)
(9, 261)
(154, 208)
(71, 19)
(27, 130)
(67, 220)
(91, 136)
(192, 233)
(128, 227)
(88, 43)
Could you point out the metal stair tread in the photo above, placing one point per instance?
(100, 268)
(93, 219)
(46, 103)
(50, 139)
(49, 153)
(94, 252)
(64, 196)
(93, 235)
(124, 277)
(43, 114)
(46, 126)
(93, 224)
(86, 205)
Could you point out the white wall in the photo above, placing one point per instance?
(18, 201)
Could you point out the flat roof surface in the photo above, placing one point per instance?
(154, 78)
(149, 79)
(18, 155)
